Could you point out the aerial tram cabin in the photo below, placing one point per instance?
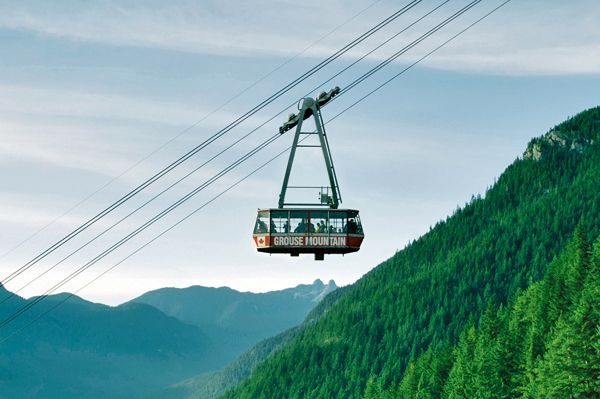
(309, 228)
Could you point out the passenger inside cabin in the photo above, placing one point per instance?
(261, 227)
(301, 228)
(321, 227)
(286, 227)
(351, 226)
(273, 227)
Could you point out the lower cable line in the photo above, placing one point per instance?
(153, 198)
(137, 231)
(211, 139)
(139, 249)
(208, 182)
(137, 209)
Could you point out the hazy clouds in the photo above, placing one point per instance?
(526, 37)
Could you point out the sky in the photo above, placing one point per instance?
(95, 97)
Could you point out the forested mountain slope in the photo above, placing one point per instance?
(214, 384)
(545, 345)
(426, 294)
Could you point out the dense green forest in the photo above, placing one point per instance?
(425, 296)
(545, 345)
(214, 384)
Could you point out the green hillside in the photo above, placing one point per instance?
(425, 295)
(546, 345)
(214, 384)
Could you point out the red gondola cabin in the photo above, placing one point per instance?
(308, 231)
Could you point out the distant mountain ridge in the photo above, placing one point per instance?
(239, 319)
(85, 349)
(213, 384)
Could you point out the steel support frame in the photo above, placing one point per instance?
(309, 104)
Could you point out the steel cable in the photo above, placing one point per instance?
(208, 141)
(247, 156)
(13, 293)
(187, 129)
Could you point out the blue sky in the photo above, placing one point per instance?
(88, 89)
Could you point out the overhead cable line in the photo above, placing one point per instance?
(211, 139)
(427, 55)
(13, 293)
(406, 48)
(385, 42)
(413, 44)
(190, 195)
(452, 38)
(138, 208)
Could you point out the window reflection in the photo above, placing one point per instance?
(337, 222)
(279, 222)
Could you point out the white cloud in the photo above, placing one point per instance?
(22, 214)
(87, 105)
(99, 133)
(530, 38)
(215, 27)
(525, 37)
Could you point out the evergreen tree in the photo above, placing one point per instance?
(488, 360)
(528, 351)
(462, 379)
(374, 390)
(410, 383)
(571, 367)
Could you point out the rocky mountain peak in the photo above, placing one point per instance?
(575, 134)
(556, 139)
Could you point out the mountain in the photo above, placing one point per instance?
(85, 349)
(214, 384)
(545, 345)
(234, 321)
(424, 297)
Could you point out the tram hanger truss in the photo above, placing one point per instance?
(329, 196)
